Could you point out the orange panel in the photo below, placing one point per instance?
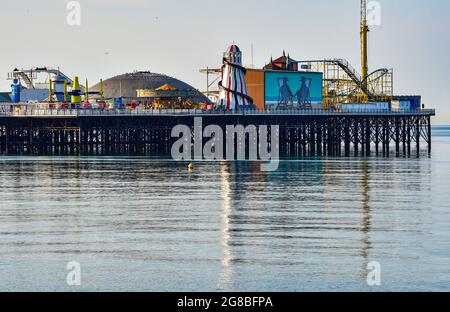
(255, 86)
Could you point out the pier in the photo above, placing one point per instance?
(303, 133)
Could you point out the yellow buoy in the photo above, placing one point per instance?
(191, 166)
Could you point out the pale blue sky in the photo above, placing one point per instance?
(179, 37)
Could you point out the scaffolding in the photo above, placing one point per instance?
(343, 84)
(212, 91)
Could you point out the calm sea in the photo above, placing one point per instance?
(149, 225)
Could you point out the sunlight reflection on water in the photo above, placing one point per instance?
(140, 224)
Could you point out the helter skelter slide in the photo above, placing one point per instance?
(234, 94)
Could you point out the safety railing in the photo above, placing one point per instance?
(197, 112)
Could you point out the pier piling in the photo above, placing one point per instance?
(301, 135)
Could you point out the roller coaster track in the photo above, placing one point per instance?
(363, 85)
(371, 79)
(25, 78)
(27, 75)
(353, 74)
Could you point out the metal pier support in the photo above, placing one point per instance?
(300, 135)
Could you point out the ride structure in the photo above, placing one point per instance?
(233, 87)
(59, 91)
(342, 84)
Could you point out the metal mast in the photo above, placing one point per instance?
(364, 33)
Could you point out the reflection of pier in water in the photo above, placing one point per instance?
(366, 217)
(234, 180)
(226, 277)
(239, 210)
(320, 212)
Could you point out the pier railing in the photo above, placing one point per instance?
(196, 112)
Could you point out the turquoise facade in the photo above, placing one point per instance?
(306, 83)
